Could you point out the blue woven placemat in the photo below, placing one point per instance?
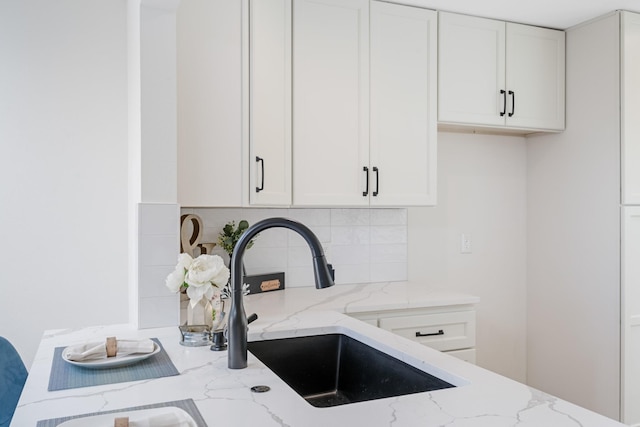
(188, 405)
(65, 375)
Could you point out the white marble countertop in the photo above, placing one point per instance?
(223, 396)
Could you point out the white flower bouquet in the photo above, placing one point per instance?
(202, 277)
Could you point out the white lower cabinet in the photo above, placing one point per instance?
(450, 329)
(630, 314)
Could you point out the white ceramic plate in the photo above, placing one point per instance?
(113, 362)
(169, 416)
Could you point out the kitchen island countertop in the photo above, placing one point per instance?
(223, 396)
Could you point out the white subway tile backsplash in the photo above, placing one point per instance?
(296, 277)
(152, 280)
(350, 254)
(272, 238)
(363, 244)
(389, 217)
(350, 217)
(299, 256)
(264, 260)
(158, 250)
(323, 233)
(350, 235)
(310, 217)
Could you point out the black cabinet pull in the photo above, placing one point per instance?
(365, 193)
(504, 102)
(375, 192)
(420, 334)
(261, 161)
(513, 102)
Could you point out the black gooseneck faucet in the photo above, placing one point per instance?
(237, 324)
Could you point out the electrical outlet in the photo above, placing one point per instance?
(465, 243)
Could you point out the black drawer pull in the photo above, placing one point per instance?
(420, 334)
(504, 102)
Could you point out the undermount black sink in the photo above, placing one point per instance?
(335, 369)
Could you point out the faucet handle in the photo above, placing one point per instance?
(332, 271)
(219, 340)
(252, 317)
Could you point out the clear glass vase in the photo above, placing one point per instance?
(200, 314)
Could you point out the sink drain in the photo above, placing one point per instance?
(260, 388)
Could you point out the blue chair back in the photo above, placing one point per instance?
(13, 375)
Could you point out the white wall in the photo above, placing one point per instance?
(573, 295)
(63, 166)
(481, 191)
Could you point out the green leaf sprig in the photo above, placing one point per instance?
(231, 234)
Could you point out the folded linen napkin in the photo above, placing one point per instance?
(94, 351)
(173, 419)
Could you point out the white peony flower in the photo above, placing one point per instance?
(196, 293)
(202, 270)
(175, 280)
(222, 274)
(184, 261)
(202, 276)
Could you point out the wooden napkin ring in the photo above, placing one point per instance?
(121, 422)
(112, 347)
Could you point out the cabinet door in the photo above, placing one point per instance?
(630, 315)
(330, 102)
(209, 78)
(403, 149)
(630, 94)
(270, 102)
(535, 77)
(471, 70)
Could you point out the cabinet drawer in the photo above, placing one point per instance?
(442, 331)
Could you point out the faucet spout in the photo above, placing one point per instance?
(237, 323)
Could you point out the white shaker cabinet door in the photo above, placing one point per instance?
(403, 151)
(471, 70)
(630, 315)
(535, 77)
(330, 102)
(630, 72)
(209, 111)
(270, 102)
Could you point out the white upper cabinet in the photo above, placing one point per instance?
(471, 70)
(535, 77)
(500, 75)
(364, 104)
(630, 99)
(270, 102)
(403, 149)
(210, 103)
(330, 101)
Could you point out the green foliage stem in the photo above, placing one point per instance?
(231, 234)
